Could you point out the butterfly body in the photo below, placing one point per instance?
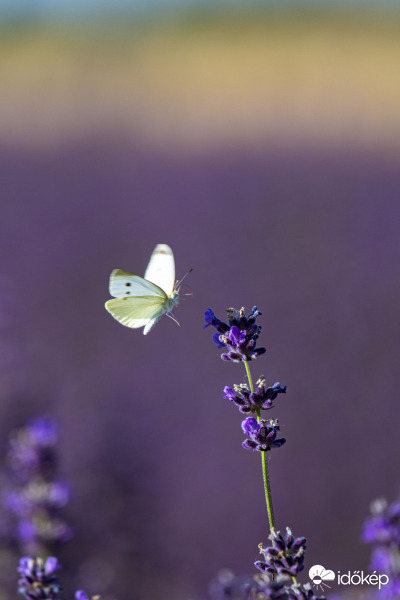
(141, 301)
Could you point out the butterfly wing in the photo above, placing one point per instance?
(124, 284)
(139, 311)
(151, 324)
(161, 268)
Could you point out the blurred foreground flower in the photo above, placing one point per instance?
(38, 580)
(36, 494)
(382, 529)
(227, 586)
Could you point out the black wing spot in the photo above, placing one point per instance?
(128, 284)
(128, 292)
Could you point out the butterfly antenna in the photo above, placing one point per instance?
(173, 318)
(179, 283)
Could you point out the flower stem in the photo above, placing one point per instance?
(267, 486)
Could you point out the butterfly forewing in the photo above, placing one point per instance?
(124, 284)
(161, 268)
(137, 311)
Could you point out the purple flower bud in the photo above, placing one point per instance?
(236, 336)
(382, 560)
(43, 431)
(216, 339)
(51, 565)
(25, 565)
(250, 445)
(229, 394)
(250, 425)
(81, 595)
(16, 502)
(59, 493)
(255, 312)
(209, 317)
(26, 531)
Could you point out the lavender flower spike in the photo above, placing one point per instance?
(248, 402)
(228, 586)
(239, 336)
(36, 494)
(285, 557)
(262, 435)
(302, 592)
(38, 580)
(382, 529)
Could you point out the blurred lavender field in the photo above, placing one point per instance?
(265, 151)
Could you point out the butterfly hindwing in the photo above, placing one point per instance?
(150, 325)
(137, 311)
(124, 284)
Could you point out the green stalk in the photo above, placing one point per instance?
(267, 486)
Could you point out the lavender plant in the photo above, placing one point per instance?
(35, 494)
(38, 580)
(33, 502)
(382, 530)
(283, 560)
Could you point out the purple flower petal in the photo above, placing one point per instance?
(51, 565)
(249, 425)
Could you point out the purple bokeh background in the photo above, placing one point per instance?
(164, 495)
(265, 152)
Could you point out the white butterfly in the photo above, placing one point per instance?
(141, 302)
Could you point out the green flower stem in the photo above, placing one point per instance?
(267, 486)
